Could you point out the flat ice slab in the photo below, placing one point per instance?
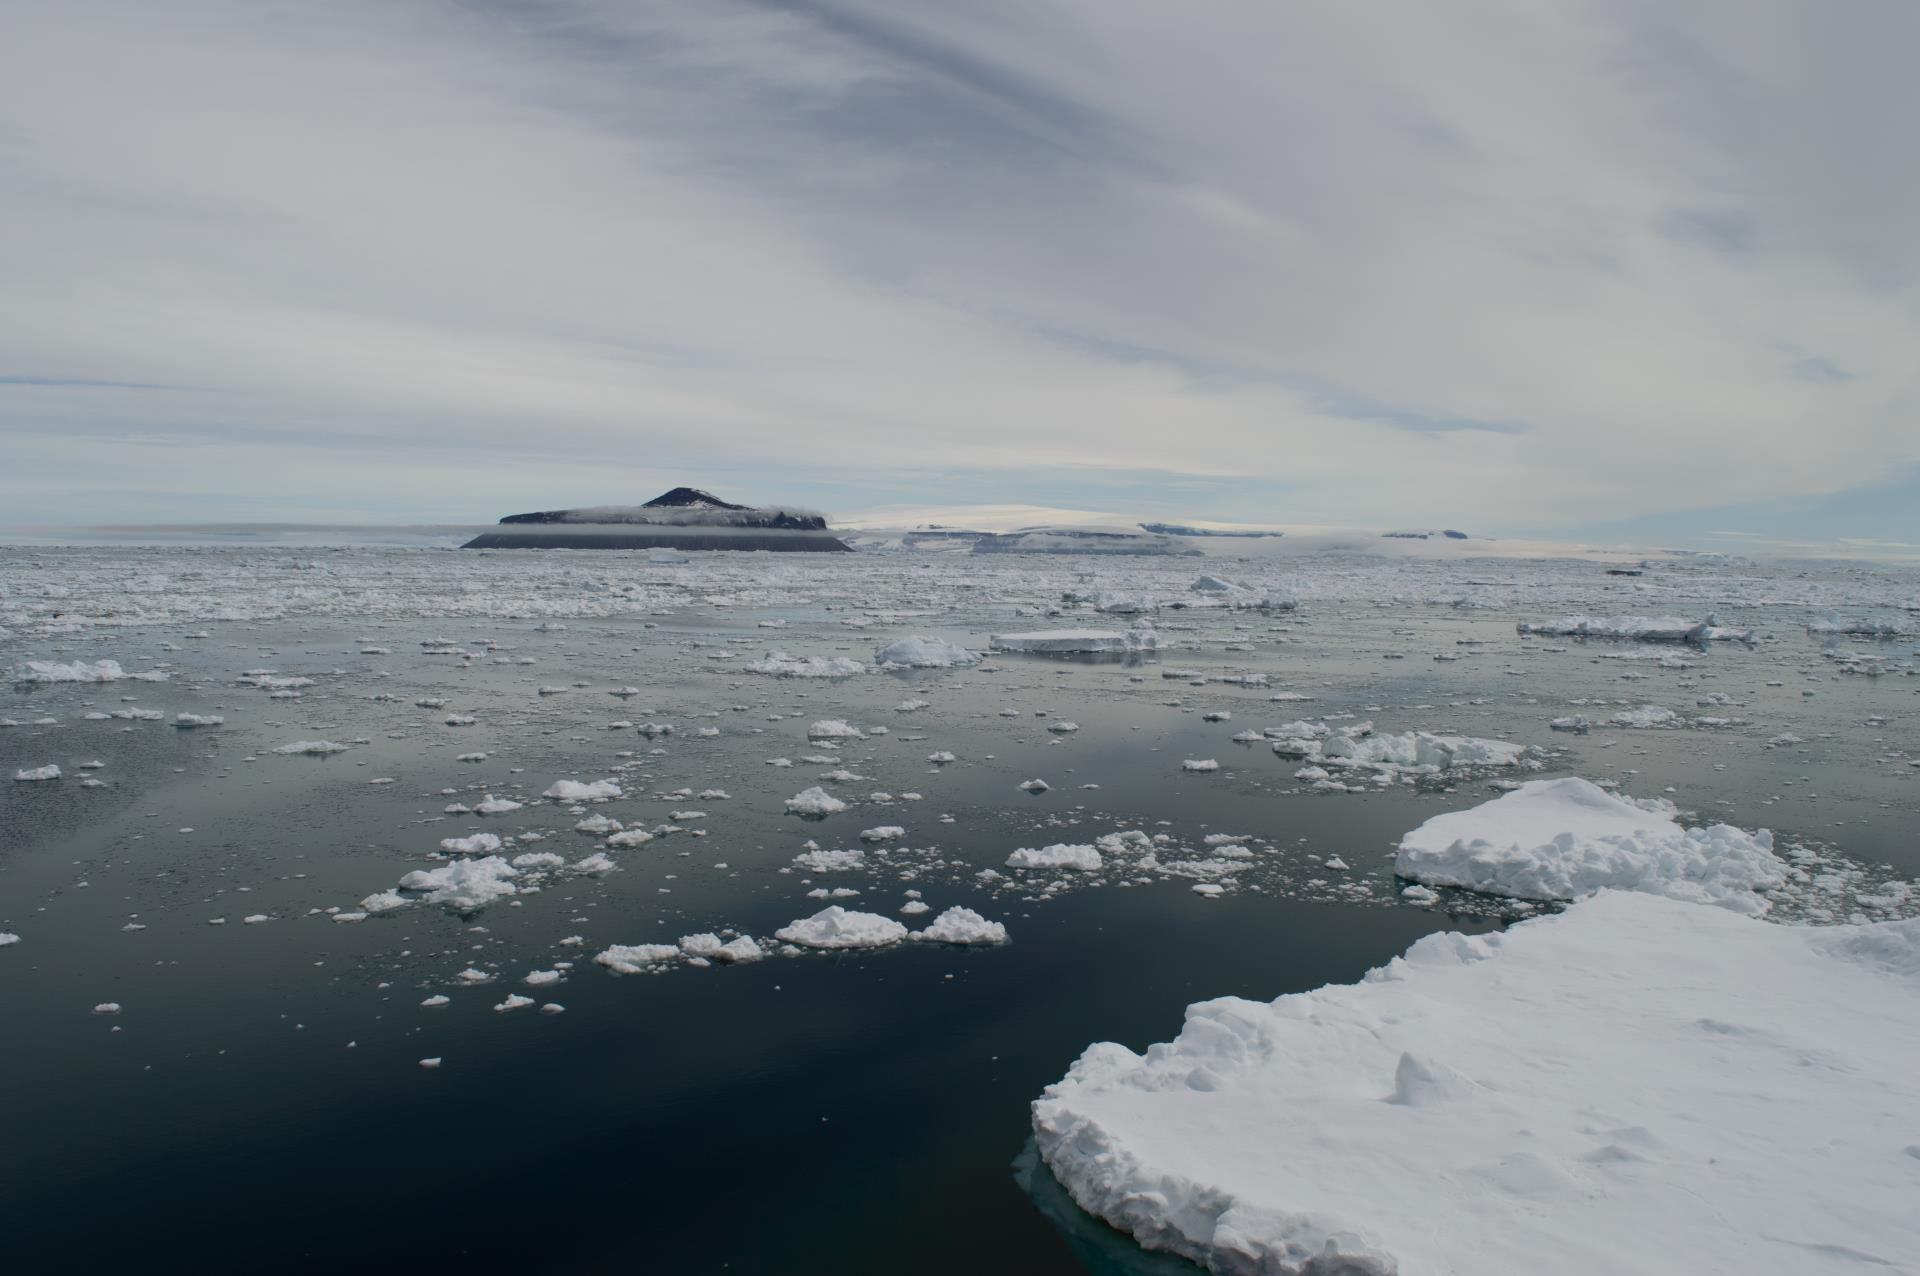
(1635, 1086)
(1561, 839)
(1638, 629)
(1063, 641)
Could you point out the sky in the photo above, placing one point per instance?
(1635, 269)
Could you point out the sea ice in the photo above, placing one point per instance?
(962, 926)
(575, 791)
(1059, 855)
(1636, 1085)
(919, 652)
(815, 801)
(779, 664)
(1561, 839)
(464, 885)
(1068, 641)
(835, 927)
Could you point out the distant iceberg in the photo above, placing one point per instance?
(1079, 540)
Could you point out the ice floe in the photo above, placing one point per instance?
(1637, 1083)
(1561, 839)
(779, 664)
(836, 927)
(1078, 641)
(919, 652)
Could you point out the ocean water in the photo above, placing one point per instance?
(258, 1103)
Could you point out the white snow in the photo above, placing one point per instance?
(742, 949)
(634, 959)
(962, 926)
(831, 861)
(920, 652)
(1059, 855)
(1062, 641)
(187, 721)
(815, 801)
(834, 729)
(477, 844)
(80, 671)
(1637, 628)
(464, 885)
(48, 772)
(1646, 715)
(779, 664)
(835, 927)
(1635, 1086)
(316, 748)
(576, 791)
(1561, 839)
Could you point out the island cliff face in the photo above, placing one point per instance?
(685, 518)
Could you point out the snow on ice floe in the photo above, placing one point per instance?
(188, 721)
(577, 791)
(831, 861)
(1646, 716)
(1391, 756)
(815, 801)
(81, 671)
(8, 938)
(961, 926)
(1562, 839)
(311, 748)
(836, 927)
(778, 664)
(1641, 1082)
(30, 775)
(464, 885)
(636, 959)
(834, 729)
(477, 844)
(1077, 641)
(1084, 858)
(919, 652)
(1637, 629)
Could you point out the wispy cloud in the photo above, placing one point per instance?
(1395, 261)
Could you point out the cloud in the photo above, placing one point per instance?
(1527, 268)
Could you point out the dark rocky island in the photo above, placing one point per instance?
(685, 518)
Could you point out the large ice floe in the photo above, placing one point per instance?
(464, 885)
(920, 652)
(778, 664)
(81, 671)
(1637, 1085)
(1078, 641)
(1561, 839)
(1637, 629)
(1402, 756)
(836, 927)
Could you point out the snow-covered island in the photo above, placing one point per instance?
(685, 518)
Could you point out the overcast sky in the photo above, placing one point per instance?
(1522, 267)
